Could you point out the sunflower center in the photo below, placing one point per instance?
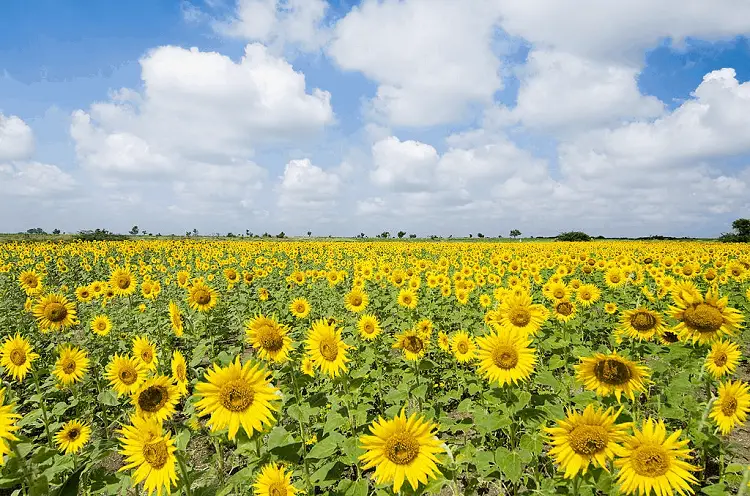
(588, 439)
(73, 434)
(650, 461)
(670, 337)
(153, 398)
(564, 308)
(720, 359)
(520, 317)
(101, 325)
(613, 372)
(559, 293)
(236, 395)
(147, 356)
(413, 344)
(123, 282)
(369, 328)
(614, 278)
(128, 376)
(55, 312)
(300, 308)
(68, 365)
(401, 448)
(407, 300)
(156, 454)
(18, 357)
(270, 338)
(643, 321)
(356, 300)
(585, 295)
(277, 489)
(202, 297)
(704, 318)
(329, 349)
(729, 406)
(463, 347)
(505, 357)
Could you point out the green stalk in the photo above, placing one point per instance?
(303, 435)
(183, 470)
(41, 404)
(22, 462)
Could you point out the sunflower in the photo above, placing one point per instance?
(649, 461)
(156, 398)
(556, 291)
(183, 278)
(731, 406)
(723, 358)
(407, 298)
(368, 326)
(402, 449)
(237, 395)
(151, 452)
(54, 312)
(71, 365)
(615, 277)
(7, 426)
(705, 319)
(583, 439)
(125, 374)
(145, 351)
(356, 300)
(101, 325)
(31, 282)
(179, 372)
(641, 323)
(517, 312)
(413, 342)
(308, 366)
(201, 296)
(607, 374)
(16, 356)
(463, 347)
(668, 336)
(505, 356)
(122, 282)
(274, 480)
(326, 348)
(84, 294)
(588, 294)
(176, 319)
(564, 310)
(72, 436)
(610, 308)
(269, 338)
(300, 308)
(443, 341)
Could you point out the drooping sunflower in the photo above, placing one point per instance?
(101, 325)
(54, 312)
(122, 282)
(149, 451)
(274, 480)
(705, 318)
(583, 439)
(444, 341)
(145, 351)
(237, 395)
(505, 356)
(72, 436)
(156, 398)
(564, 310)
(413, 343)
(300, 308)
(667, 336)
(731, 406)
(723, 358)
(269, 338)
(368, 326)
(175, 319)
(179, 372)
(31, 282)
(72, 364)
(125, 374)
(517, 312)
(8, 426)
(608, 374)
(463, 347)
(650, 461)
(308, 366)
(16, 356)
(201, 296)
(407, 298)
(356, 300)
(641, 323)
(402, 449)
(326, 348)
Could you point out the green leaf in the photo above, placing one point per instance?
(510, 463)
(40, 487)
(719, 489)
(353, 488)
(70, 486)
(334, 421)
(182, 438)
(107, 397)
(326, 446)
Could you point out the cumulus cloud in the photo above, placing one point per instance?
(16, 138)
(305, 186)
(33, 179)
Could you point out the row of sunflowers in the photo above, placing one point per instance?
(355, 368)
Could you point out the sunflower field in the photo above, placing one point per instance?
(208, 367)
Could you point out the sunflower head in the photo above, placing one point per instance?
(54, 312)
(269, 338)
(326, 348)
(274, 480)
(369, 327)
(608, 374)
(71, 365)
(505, 356)
(156, 398)
(16, 356)
(72, 436)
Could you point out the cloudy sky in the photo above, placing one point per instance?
(340, 117)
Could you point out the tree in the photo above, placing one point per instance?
(385, 235)
(36, 230)
(741, 232)
(281, 235)
(573, 236)
(471, 235)
(480, 235)
(401, 234)
(195, 232)
(134, 231)
(309, 233)
(515, 233)
(412, 236)
(56, 232)
(230, 235)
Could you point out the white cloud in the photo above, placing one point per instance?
(404, 165)
(430, 58)
(16, 139)
(305, 186)
(33, 179)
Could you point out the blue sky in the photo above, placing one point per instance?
(60, 57)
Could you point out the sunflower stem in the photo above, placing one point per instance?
(22, 462)
(220, 458)
(183, 470)
(35, 375)
(576, 485)
(352, 425)
(303, 435)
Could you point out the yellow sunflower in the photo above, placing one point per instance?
(444, 341)
(237, 395)
(505, 356)
(607, 374)
(145, 351)
(588, 438)
(723, 358)
(84, 294)
(54, 312)
(149, 451)
(588, 294)
(274, 480)
(269, 338)
(72, 436)
(71, 365)
(731, 406)
(179, 372)
(517, 312)
(369, 327)
(564, 310)
(16, 357)
(31, 282)
(402, 449)
(326, 348)
(176, 319)
(201, 296)
(649, 461)
(356, 300)
(300, 308)
(125, 374)
(8, 426)
(641, 323)
(610, 308)
(156, 398)
(413, 343)
(308, 366)
(122, 282)
(463, 347)
(705, 318)
(407, 298)
(101, 325)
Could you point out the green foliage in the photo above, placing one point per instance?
(573, 236)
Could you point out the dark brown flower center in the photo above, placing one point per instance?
(612, 372)
(269, 337)
(329, 349)
(153, 398)
(413, 344)
(68, 365)
(55, 312)
(650, 461)
(703, 318)
(643, 321)
(519, 317)
(729, 406)
(18, 357)
(564, 308)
